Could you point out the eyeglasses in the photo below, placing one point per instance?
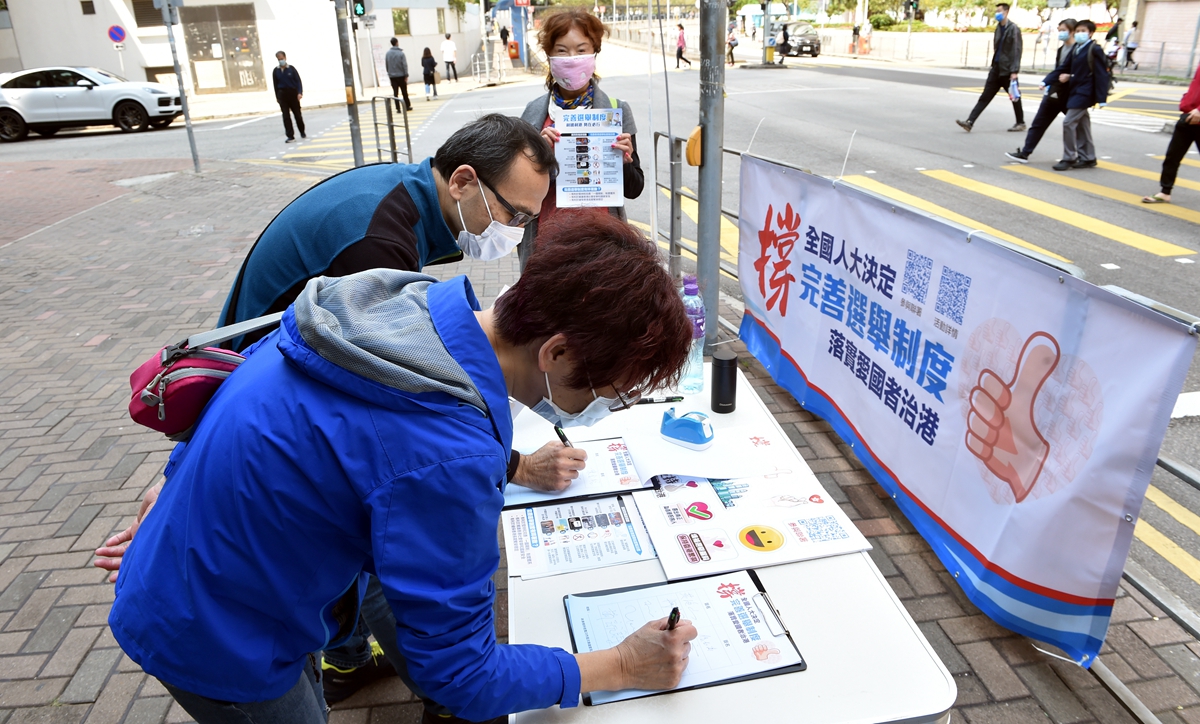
(625, 401)
(519, 218)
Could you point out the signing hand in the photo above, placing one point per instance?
(111, 552)
(625, 144)
(551, 135)
(653, 657)
(551, 468)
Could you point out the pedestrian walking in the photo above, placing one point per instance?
(288, 92)
(571, 40)
(731, 42)
(1186, 133)
(396, 222)
(397, 70)
(1114, 33)
(680, 46)
(1085, 71)
(1054, 97)
(1006, 64)
(504, 35)
(429, 73)
(450, 57)
(1131, 44)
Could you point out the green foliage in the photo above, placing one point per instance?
(459, 6)
(881, 21)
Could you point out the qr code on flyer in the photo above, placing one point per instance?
(824, 528)
(917, 269)
(952, 294)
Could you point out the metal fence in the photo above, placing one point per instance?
(390, 126)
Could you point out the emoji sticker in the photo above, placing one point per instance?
(761, 538)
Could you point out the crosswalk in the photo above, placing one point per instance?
(332, 148)
(1137, 109)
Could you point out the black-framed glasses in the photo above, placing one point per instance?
(625, 401)
(519, 218)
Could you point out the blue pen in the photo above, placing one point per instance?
(632, 535)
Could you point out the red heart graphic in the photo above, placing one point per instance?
(815, 499)
(699, 511)
(692, 484)
(718, 544)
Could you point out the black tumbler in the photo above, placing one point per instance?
(724, 381)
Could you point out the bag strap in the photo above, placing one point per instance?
(217, 336)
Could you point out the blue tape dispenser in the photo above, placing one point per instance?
(691, 430)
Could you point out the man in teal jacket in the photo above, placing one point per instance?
(371, 434)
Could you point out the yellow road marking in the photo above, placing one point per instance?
(1173, 509)
(1150, 175)
(1074, 182)
(1067, 216)
(1168, 549)
(871, 184)
(1185, 161)
(687, 254)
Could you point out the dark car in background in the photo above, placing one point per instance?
(803, 40)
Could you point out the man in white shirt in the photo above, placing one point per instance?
(450, 57)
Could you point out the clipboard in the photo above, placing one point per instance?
(761, 599)
(546, 499)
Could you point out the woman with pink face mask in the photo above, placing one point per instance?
(571, 39)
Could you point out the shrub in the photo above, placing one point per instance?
(881, 21)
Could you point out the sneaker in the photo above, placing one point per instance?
(965, 125)
(1086, 164)
(290, 140)
(1018, 155)
(340, 684)
(1019, 127)
(1064, 165)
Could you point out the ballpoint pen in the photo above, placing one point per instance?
(562, 436)
(673, 619)
(660, 400)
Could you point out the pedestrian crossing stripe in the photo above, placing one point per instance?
(1119, 101)
(870, 184)
(1168, 549)
(1066, 216)
(1148, 175)
(1169, 209)
(1168, 505)
(729, 230)
(1184, 161)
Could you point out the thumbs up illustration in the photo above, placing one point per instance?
(1000, 427)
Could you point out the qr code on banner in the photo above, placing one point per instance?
(952, 294)
(824, 528)
(916, 276)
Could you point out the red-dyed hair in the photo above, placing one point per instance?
(560, 23)
(600, 282)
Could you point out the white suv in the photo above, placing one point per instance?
(45, 100)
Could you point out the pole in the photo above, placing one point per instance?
(187, 116)
(712, 139)
(1192, 56)
(343, 20)
(650, 120)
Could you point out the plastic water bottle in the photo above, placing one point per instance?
(692, 381)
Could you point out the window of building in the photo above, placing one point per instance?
(88, 6)
(400, 21)
(441, 21)
(145, 14)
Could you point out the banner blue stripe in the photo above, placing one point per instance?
(1081, 626)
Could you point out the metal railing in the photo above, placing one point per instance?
(390, 126)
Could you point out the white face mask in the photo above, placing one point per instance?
(597, 410)
(496, 241)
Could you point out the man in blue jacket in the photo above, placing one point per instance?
(1086, 76)
(371, 433)
(288, 91)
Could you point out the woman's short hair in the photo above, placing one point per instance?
(561, 23)
(600, 282)
(1068, 23)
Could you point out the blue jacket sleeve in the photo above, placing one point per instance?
(299, 83)
(435, 550)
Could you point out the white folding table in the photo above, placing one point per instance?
(867, 660)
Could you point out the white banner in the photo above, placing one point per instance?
(1014, 411)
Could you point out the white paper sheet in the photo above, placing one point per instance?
(574, 536)
(741, 451)
(734, 624)
(609, 469)
(590, 170)
(701, 528)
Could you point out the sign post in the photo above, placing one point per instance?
(117, 35)
(170, 17)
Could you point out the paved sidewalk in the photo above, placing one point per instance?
(92, 295)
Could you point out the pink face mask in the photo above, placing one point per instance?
(572, 72)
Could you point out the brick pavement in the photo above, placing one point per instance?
(90, 297)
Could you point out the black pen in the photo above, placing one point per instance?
(673, 619)
(562, 436)
(660, 400)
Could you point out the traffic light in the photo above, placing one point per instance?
(360, 7)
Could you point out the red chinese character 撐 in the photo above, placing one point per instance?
(760, 442)
(777, 245)
(730, 590)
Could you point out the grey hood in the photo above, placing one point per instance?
(376, 324)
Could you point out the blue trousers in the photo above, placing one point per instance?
(303, 704)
